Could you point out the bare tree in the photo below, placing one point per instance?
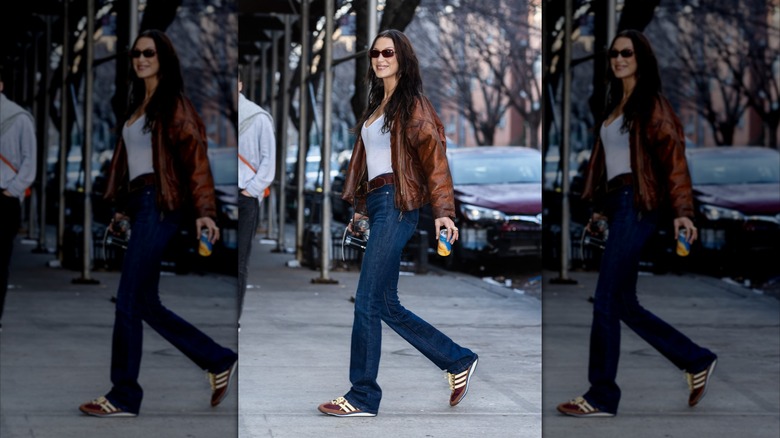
(763, 58)
(485, 62)
(716, 65)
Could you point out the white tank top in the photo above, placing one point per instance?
(616, 148)
(378, 155)
(139, 148)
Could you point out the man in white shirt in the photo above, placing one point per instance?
(256, 164)
(17, 173)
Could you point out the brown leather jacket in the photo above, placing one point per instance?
(181, 165)
(658, 165)
(420, 168)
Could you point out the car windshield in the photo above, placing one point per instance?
(224, 168)
(720, 169)
(496, 169)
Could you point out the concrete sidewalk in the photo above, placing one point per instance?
(55, 353)
(741, 326)
(294, 355)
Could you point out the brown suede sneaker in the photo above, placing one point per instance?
(579, 407)
(342, 408)
(220, 384)
(101, 407)
(697, 383)
(459, 383)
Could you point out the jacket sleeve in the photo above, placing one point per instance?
(117, 184)
(429, 142)
(354, 187)
(192, 148)
(669, 150)
(266, 145)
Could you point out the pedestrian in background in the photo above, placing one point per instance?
(17, 173)
(637, 169)
(398, 165)
(257, 161)
(159, 171)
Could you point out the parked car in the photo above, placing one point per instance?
(737, 201)
(498, 203)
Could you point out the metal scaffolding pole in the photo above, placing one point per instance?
(133, 20)
(64, 137)
(272, 197)
(264, 75)
(43, 137)
(282, 138)
(563, 277)
(303, 137)
(611, 20)
(31, 225)
(372, 21)
(325, 212)
(86, 155)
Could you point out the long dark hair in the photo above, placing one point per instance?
(408, 88)
(648, 83)
(170, 86)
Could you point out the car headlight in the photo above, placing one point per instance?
(714, 213)
(474, 213)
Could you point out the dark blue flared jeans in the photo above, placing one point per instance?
(138, 300)
(616, 300)
(377, 300)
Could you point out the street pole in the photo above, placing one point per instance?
(275, 87)
(64, 137)
(563, 277)
(283, 137)
(133, 20)
(325, 240)
(611, 20)
(44, 138)
(86, 154)
(372, 24)
(303, 136)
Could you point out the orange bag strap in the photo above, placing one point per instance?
(8, 163)
(245, 161)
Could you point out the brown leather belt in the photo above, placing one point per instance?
(380, 181)
(141, 181)
(622, 180)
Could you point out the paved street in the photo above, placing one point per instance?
(294, 347)
(55, 353)
(740, 325)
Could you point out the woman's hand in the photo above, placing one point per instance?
(355, 218)
(686, 224)
(113, 227)
(208, 223)
(447, 223)
(594, 219)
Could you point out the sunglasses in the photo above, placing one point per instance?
(625, 53)
(387, 53)
(147, 53)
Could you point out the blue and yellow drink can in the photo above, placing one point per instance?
(683, 247)
(205, 247)
(445, 247)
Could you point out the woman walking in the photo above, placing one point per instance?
(159, 172)
(636, 170)
(397, 166)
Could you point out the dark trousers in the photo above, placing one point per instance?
(248, 217)
(138, 300)
(616, 300)
(10, 219)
